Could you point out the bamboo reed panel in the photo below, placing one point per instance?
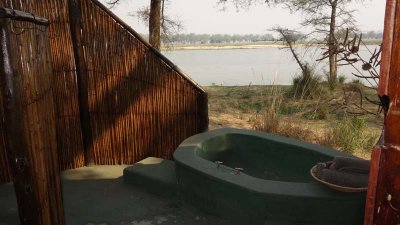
(140, 103)
(30, 121)
(69, 136)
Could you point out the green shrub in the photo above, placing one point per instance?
(287, 109)
(321, 112)
(249, 106)
(306, 85)
(355, 85)
(342, 79)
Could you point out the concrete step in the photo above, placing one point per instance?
(154, 175)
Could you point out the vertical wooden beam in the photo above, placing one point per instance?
(387, 44)
(386, 181)
(29, 117)
(372, 185)
(82, 78)
(203, 110)
(16, 141)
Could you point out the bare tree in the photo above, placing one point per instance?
(160, 25)
(168, 26)
(365, 68)
(289, 37)
(155, 24)
(325, 17)
(348, 54)
(306, 85)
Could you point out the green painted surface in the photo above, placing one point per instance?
(275, 187)
(97, 195)
(154, 175)
(262, 158)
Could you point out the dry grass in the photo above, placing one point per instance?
(271, 121)
(350, 134)
(320, 120)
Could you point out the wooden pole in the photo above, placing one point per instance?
(29, 117)
(203, 109)
(383, 197)
(82, 78)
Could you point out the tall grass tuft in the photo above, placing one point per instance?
(268, 120)
(271, 121)
(349, 134)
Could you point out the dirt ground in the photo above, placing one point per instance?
(220, 120)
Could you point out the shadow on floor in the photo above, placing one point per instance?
(98, 196)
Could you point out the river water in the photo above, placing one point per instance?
(263, 66)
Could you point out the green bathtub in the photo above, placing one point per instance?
(275, 186)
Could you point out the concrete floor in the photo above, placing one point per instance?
(98, 196)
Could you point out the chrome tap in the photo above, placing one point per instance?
(219, 163)
(238, 170)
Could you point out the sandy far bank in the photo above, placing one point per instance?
(223, 47)
(249, 46)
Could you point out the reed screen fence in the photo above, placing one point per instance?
(139, 103)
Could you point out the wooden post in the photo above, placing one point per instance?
(203, 109)
(82, 78)
(372, 183)
(383, 202)
(26, 82)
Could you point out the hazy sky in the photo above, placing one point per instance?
(203, 16)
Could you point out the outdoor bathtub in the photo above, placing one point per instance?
(275, 188)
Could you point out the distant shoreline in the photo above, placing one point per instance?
(226, 46)
(223, 47)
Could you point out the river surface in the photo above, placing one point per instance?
(264, 66)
